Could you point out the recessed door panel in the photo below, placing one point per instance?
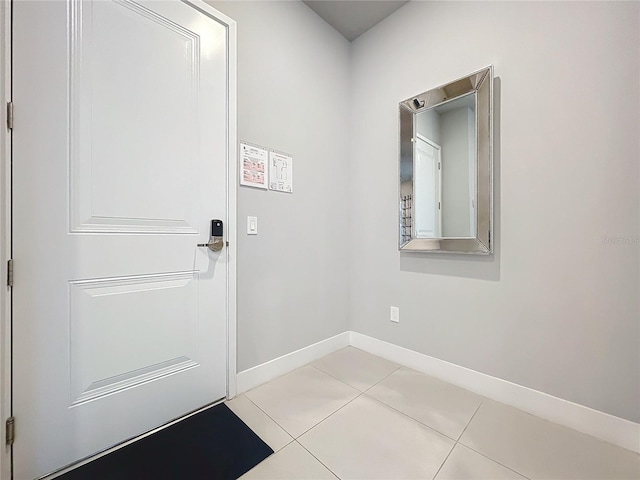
(127, 331)
(131, 171)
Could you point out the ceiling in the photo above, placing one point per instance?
(353, 18)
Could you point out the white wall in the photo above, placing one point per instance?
(293, 78)
(428, 125)
(556, 307)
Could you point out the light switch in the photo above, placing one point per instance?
(252, 225)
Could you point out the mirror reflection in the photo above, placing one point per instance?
(446, 167)
(445, 170)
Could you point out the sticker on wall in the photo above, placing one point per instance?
(253, 166)
(280, 172)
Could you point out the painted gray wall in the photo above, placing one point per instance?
(293, 94)
(454, 127)
(556, 307)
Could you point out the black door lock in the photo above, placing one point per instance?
(216, 240)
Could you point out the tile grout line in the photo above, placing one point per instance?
(320, 461)
(327, 373)
(456, 442)
(364, 392)
(493, 460)
(316, 424)
(384, 378)
(411, 418)
(310, 364)
(274, 421)
(360, 394)
(479, 453)
(444, 461)
(469, 422)
(361, 391)
(330, 415)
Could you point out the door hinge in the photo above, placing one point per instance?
(438, 205)
(10, 273)
(10, 115)
(10, 430)
(438, 165)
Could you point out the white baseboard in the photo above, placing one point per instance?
(618, 431)
(248, 379)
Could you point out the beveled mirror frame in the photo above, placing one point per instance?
(480, 83)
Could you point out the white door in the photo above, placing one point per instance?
(120, 151)
(426, 189)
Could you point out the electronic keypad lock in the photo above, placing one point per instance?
(216, 240)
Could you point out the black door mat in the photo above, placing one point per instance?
(213, 444)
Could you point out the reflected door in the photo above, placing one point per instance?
(427, 181)
(119, 164)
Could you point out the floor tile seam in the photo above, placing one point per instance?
(295, 437)
(486, 456)
(444, 461)
(458, 442)
(334, 377)
(327, 417)
(313, 455)
(384, 378)
(310, 364)
(419, 421)
(274, 421)
(361, 391)
(410, 417)
(469, 421)
(494, 461)
(427, 376)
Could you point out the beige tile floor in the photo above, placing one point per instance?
(352, 415)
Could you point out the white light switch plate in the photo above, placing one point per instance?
(252, 225)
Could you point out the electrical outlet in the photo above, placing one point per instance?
(395, 314)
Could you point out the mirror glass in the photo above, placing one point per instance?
(446, 167)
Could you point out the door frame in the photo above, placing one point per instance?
(5, 236)
(6, 214)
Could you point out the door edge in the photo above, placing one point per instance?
(232, 188)
(232, 195)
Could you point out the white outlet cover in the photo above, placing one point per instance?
(394, 314)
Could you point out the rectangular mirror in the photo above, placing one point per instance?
(446, 167)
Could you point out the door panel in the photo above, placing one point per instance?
(427, 189)
(119, 165)
(152, 321)
(112, 130)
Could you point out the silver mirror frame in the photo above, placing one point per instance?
(480, 82)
